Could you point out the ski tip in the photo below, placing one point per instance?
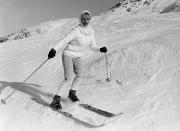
(99, 125)
(114, 115)
(119, 114)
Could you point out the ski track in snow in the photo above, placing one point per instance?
(143, 60)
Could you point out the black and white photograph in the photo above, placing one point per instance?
(89, 65)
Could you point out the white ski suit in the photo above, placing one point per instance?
(78, 39)
(76, 42)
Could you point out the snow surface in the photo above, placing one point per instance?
(143, 60)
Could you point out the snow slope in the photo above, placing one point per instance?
(143, 60)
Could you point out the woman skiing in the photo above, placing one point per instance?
(76, 41)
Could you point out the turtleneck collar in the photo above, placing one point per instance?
(85, 30)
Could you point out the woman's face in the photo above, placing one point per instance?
(85, 19)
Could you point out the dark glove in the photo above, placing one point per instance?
(52, 53)
(103, 49)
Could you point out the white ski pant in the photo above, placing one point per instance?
(70, 65)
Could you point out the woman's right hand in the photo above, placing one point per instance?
(52, 53)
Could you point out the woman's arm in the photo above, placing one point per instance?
(69, 37)
(93, 43)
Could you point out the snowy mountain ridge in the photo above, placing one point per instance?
(124, 7)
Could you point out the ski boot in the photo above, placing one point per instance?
(56, 103)
(72, 96)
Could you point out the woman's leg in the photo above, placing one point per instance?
(68, 68)
(78, 70)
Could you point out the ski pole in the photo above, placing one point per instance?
(4, 100)
(108, 79)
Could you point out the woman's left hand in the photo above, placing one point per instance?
(103, 49)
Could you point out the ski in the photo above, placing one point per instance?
(88, 122)
(85, 122)
(81, 119)
(99, 111)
